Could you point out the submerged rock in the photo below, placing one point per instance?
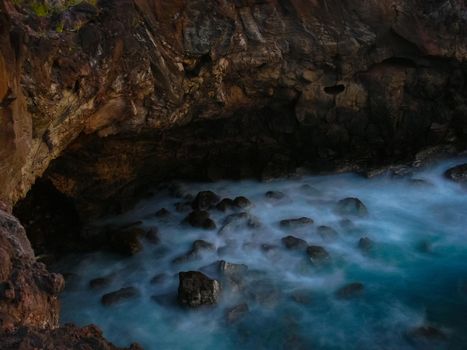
(275, 195)
(309, 190)
(235, 313)
(159, 278)
(162, 213)
(152, 236)
(196, 289)
(225, 204)
(239, 221)
(303, 296)
(194, 253)
(119, 296)
(295, 223)
(426, 337)
(294, 243)
(317, 254)
(351, 206)
(327, 233)
(127, 241)
(457, 174)
(264, 292)
(205, 200)
(100, 282)
(351, 290)
(200, 219)
(242, 202)
(365, 244)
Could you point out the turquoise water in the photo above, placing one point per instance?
(414, 275)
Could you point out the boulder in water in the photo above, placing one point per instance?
(200, 219)
(296, 223)
(457, 174)
(152, 236)
(349, 291)
(194, 253)
(162, 213)
(352, 207)
(119, 296)
(294, 243)
(317, 254)
(239, 221)
(327, 233)
(100, 282)
(235, 313)
(127, 240)
(242, 202)
(302, 296)
(426, 337)
(196, 289)
(205, 200)
(225, 204)
(275, 195)
(365, 244)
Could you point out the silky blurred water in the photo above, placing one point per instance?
(414, 275)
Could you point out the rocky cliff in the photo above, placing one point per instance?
(100, 97)
(122, 91)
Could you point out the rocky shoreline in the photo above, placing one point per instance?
(99, 99)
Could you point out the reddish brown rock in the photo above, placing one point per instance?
(66, 337)
(28, 292)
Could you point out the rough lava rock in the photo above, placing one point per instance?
(352, 206)
(457, 174)
(196, 289)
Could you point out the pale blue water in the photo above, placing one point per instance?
(405, 286)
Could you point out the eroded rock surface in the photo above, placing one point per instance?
(111, 96)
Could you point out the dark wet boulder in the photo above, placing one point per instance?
(294, 243)
(225, 204)
(347, 224)
(327, 233)
(264, 292)
(126, 241)
(100, 282)
(302, 296)
(160, 278)
(162, 213)
(200, 245)
(295, 223)
(242, 202)
(235, 313)
(200, 219)
(196, 289)
(183, 207)
(351, 290)
(194, 253)
(227, 268)
(426, 337)
(239, 221)
(119, 296)
(205, 200)
(352, 207)
(152, 236)
(317, 254)
(275, 195)
(309, 190)
(457, 174)
(365, 244)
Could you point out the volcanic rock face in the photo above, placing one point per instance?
(28, 293)
(104, 96)
(130, 91)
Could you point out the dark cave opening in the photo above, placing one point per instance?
(51, 220)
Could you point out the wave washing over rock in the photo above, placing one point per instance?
(316, 262)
